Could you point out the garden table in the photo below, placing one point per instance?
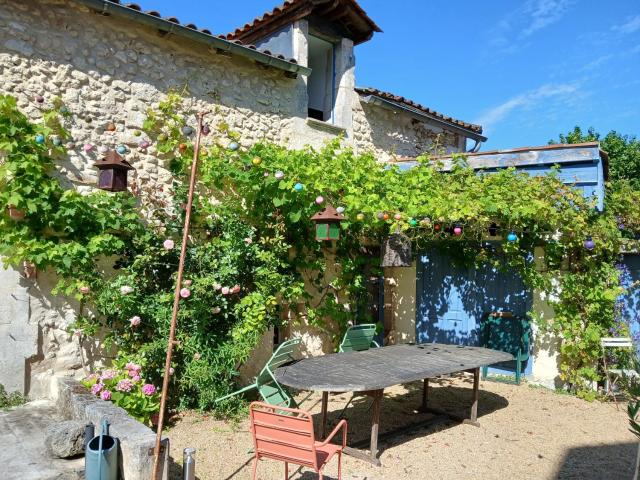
(371, 371)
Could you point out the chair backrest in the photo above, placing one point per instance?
(283, 434)
(616, 342)
(358, 338)
(507, 333)
(270, 390)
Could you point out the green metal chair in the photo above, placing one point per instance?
(507, 333)
(358, 338)
(268, 387)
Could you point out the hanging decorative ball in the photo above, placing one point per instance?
(385, 216)
(265, 174)
(144, 145)
(380, 215)
(187, 130)
(40, 138)
(279, 175)
(137, 133)
(360, 217)
(589, 244)
(457, 230)
(87, 147)
(64, 110)
(512, 237)
(413, 222)
(233, 146)
(103, 149)
(493, 230)
(256, 161)
(298, 187)
(162, 137)
(437, 227)
(70, 145)
(182, 147)
(398, 216)
(57, 141)
(206, 130)
(121, 149)
(39, 98)
(319, 199)
(340, 209)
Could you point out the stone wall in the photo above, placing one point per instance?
(108, 70)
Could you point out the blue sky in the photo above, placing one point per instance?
(526, 70)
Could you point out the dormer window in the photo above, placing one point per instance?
(321, 84)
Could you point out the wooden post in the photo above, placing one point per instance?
(325, 406)
(425, 395)
(176, 299)
(474, 404)
(375, 422)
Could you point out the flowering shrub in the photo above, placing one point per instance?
(126, 387)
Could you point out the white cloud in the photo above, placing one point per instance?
(523, 101)
(630, 26)
(542, 13)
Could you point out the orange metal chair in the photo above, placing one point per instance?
(286, 434)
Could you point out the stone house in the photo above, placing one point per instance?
(286, 77)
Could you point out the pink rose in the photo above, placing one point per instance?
(84, 290)
(197, 356)
(126, 290)
(171, 371)
(148, 389)
(217, 286)
(168, 244)
(216, 310)
(225, 290)
(248, 240)
(235, 289)
(97, 388)
(185, 293)
(135, 321)
(187, 283)
(105, 395)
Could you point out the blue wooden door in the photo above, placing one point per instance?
(452, 300)
(630, 310)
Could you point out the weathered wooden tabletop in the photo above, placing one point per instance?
(379, 368)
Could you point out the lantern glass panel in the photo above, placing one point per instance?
(334, 231)
(322, 231)
(105, 179)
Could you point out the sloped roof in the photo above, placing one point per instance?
(347, 13)
(153, 18)
(402, 101)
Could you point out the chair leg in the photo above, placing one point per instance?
(320, 476)
(286, 470)
(255, 468)
(485, 370)
(518, 368)
(339, 465)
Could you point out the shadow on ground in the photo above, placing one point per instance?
(596, 463)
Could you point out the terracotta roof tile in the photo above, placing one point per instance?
(402, 100)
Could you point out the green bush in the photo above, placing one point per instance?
(8, 400)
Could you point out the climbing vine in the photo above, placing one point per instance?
(252, 257)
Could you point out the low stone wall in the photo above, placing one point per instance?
(136, 440)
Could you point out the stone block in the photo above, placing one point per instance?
(65, 439)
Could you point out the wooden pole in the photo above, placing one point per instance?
(176, 298)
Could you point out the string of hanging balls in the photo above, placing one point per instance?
(113, 177)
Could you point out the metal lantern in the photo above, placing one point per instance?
(327, 224)
(397, 251)
(113, 172)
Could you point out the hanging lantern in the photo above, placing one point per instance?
(397, 251)
(113, 172)
(327, 224)
(493, 230)
(589, 244)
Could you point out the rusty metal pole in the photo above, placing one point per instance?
(176, 298)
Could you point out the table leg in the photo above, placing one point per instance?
(473, 419)
(325, 405)
(375, 422)
(425, 395)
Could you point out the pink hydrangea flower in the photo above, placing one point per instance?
(133, 367)
(124, 385)
(84, 290)
(108, 375)
(135, 378)
(171, 371)
(225, 290)
(97, 388)
(217, 286)
(185, 293)
(235, 289)
(168, 244)
(148, 389)
(135, 321)
(126, 289)
(105, 395)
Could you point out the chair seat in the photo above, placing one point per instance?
(325, 452)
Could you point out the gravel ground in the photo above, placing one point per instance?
(525, 432)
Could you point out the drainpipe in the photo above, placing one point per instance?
(476, 146)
